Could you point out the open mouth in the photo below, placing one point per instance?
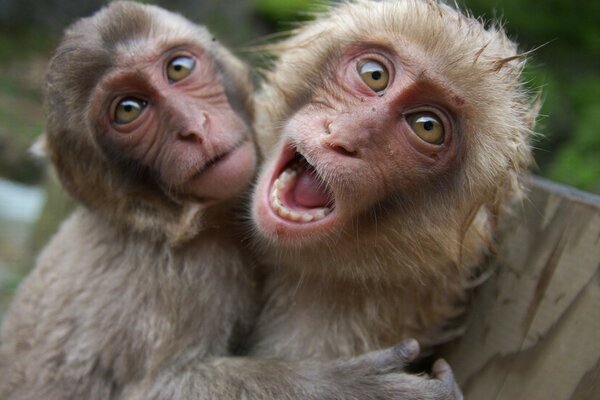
(298, 193)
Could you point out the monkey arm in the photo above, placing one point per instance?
(69, 335)
(375, 375)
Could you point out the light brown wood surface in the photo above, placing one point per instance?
(533, 330)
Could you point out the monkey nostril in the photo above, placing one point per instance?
(190, 136)
(195, 129)
(204, 120)
(328, 127)
(335, 140)
(343, 149)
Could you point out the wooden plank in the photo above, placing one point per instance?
(533, 331)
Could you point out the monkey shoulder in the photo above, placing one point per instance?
(102, 297)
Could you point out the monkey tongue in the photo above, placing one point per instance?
(310, 191)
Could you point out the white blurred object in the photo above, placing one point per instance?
(20, 202)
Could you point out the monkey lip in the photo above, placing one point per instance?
(222, 157)
(226, 174)
(297, 193)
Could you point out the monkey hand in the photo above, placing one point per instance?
(379, 375)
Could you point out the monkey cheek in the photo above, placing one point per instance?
(228, 177)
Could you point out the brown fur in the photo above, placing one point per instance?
(144, 292)
(165, 324)
(138, 277)
(400, 267)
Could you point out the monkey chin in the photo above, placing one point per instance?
(225, 176)
(293, 205)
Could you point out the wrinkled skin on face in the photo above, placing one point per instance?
(358, 142)
(149, 120)
(169, 113)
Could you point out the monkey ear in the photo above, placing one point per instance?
(39, 148)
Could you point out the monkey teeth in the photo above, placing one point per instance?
(283, 183)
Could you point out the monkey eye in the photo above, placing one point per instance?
(179, 68)
(128, 110)
(374, 74)
(427, 126)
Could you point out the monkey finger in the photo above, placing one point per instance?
(441, 370)
(392, 358)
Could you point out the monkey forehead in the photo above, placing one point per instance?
(133, 32)
(456, 47)
(438, 43)
(434, 26)
(138, 30)
(127, 32)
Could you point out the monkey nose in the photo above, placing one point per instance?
(345, 149)
(195, 129)
(338, 142)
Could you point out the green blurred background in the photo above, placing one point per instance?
(566, 68)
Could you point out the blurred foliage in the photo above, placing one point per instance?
(278, 12)
(21, 114)
(567, 69)
(31, 42)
